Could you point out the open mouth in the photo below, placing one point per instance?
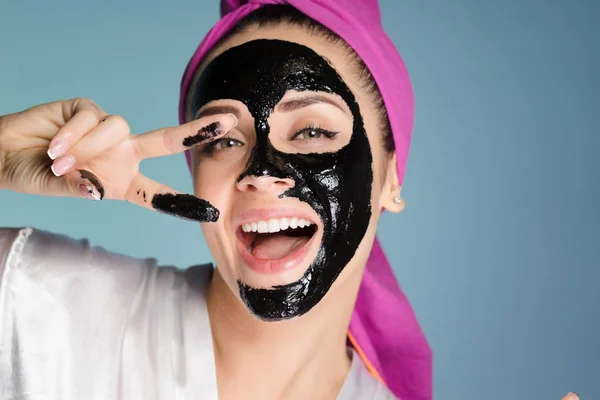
(276, 244)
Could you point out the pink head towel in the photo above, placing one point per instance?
(383, 323)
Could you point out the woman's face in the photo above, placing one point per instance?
(300, 181)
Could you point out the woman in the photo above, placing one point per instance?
(294, 154)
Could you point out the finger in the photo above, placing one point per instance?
(571, 396)
(86, 116)
(112, 130)
(80, 183)
(172, 140)
(158, 197)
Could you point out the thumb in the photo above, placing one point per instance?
(77, 183)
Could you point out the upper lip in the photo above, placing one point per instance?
(265, 214)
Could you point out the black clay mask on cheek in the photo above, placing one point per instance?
(336, 185)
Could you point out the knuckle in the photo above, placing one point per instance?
(89, 114)
(119, 123)
(81, 104)
(168, 140)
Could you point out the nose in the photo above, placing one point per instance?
(265, 184)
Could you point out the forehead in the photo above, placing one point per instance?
(293, 57)
(260, 72)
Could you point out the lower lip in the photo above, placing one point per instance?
(286, 263)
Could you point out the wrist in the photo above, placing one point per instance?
(2, 155)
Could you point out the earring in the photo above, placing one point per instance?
(397, 200)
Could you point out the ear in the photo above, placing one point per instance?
(391, 198)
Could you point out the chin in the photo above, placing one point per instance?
(275, 246)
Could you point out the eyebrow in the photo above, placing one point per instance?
(295, 104)
(216, 110)
(286, 106)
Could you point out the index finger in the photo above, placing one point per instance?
(176, 139)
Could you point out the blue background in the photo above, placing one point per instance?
(499, 247)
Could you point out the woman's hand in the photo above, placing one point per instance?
(74, 148)
(571, 396)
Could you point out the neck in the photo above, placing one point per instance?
(305, 356)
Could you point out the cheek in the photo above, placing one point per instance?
(214, 184)
(380, 163)
(378, 181)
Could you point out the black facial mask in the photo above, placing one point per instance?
(336, 185)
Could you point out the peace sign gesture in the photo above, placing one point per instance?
(74, 148)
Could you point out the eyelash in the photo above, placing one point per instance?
(212, 147)
(314, 128)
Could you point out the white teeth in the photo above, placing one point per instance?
(275, 225)
(263, 227)
(284, 223)
(304, 223)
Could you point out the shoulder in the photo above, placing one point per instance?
(52, 260)
(72, 269)
(67, 308)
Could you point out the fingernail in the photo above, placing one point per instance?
(574, 394)
(63, 165)
(91, 187)
(229, 122)
(89, 191)
(57, 149)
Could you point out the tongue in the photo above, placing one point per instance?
(274, 246)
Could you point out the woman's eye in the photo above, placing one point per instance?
(311, 134)
(226, 143)
(314, 133)
(223, 144)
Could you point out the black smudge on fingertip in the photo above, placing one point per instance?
(185, 206)
(208, 132)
